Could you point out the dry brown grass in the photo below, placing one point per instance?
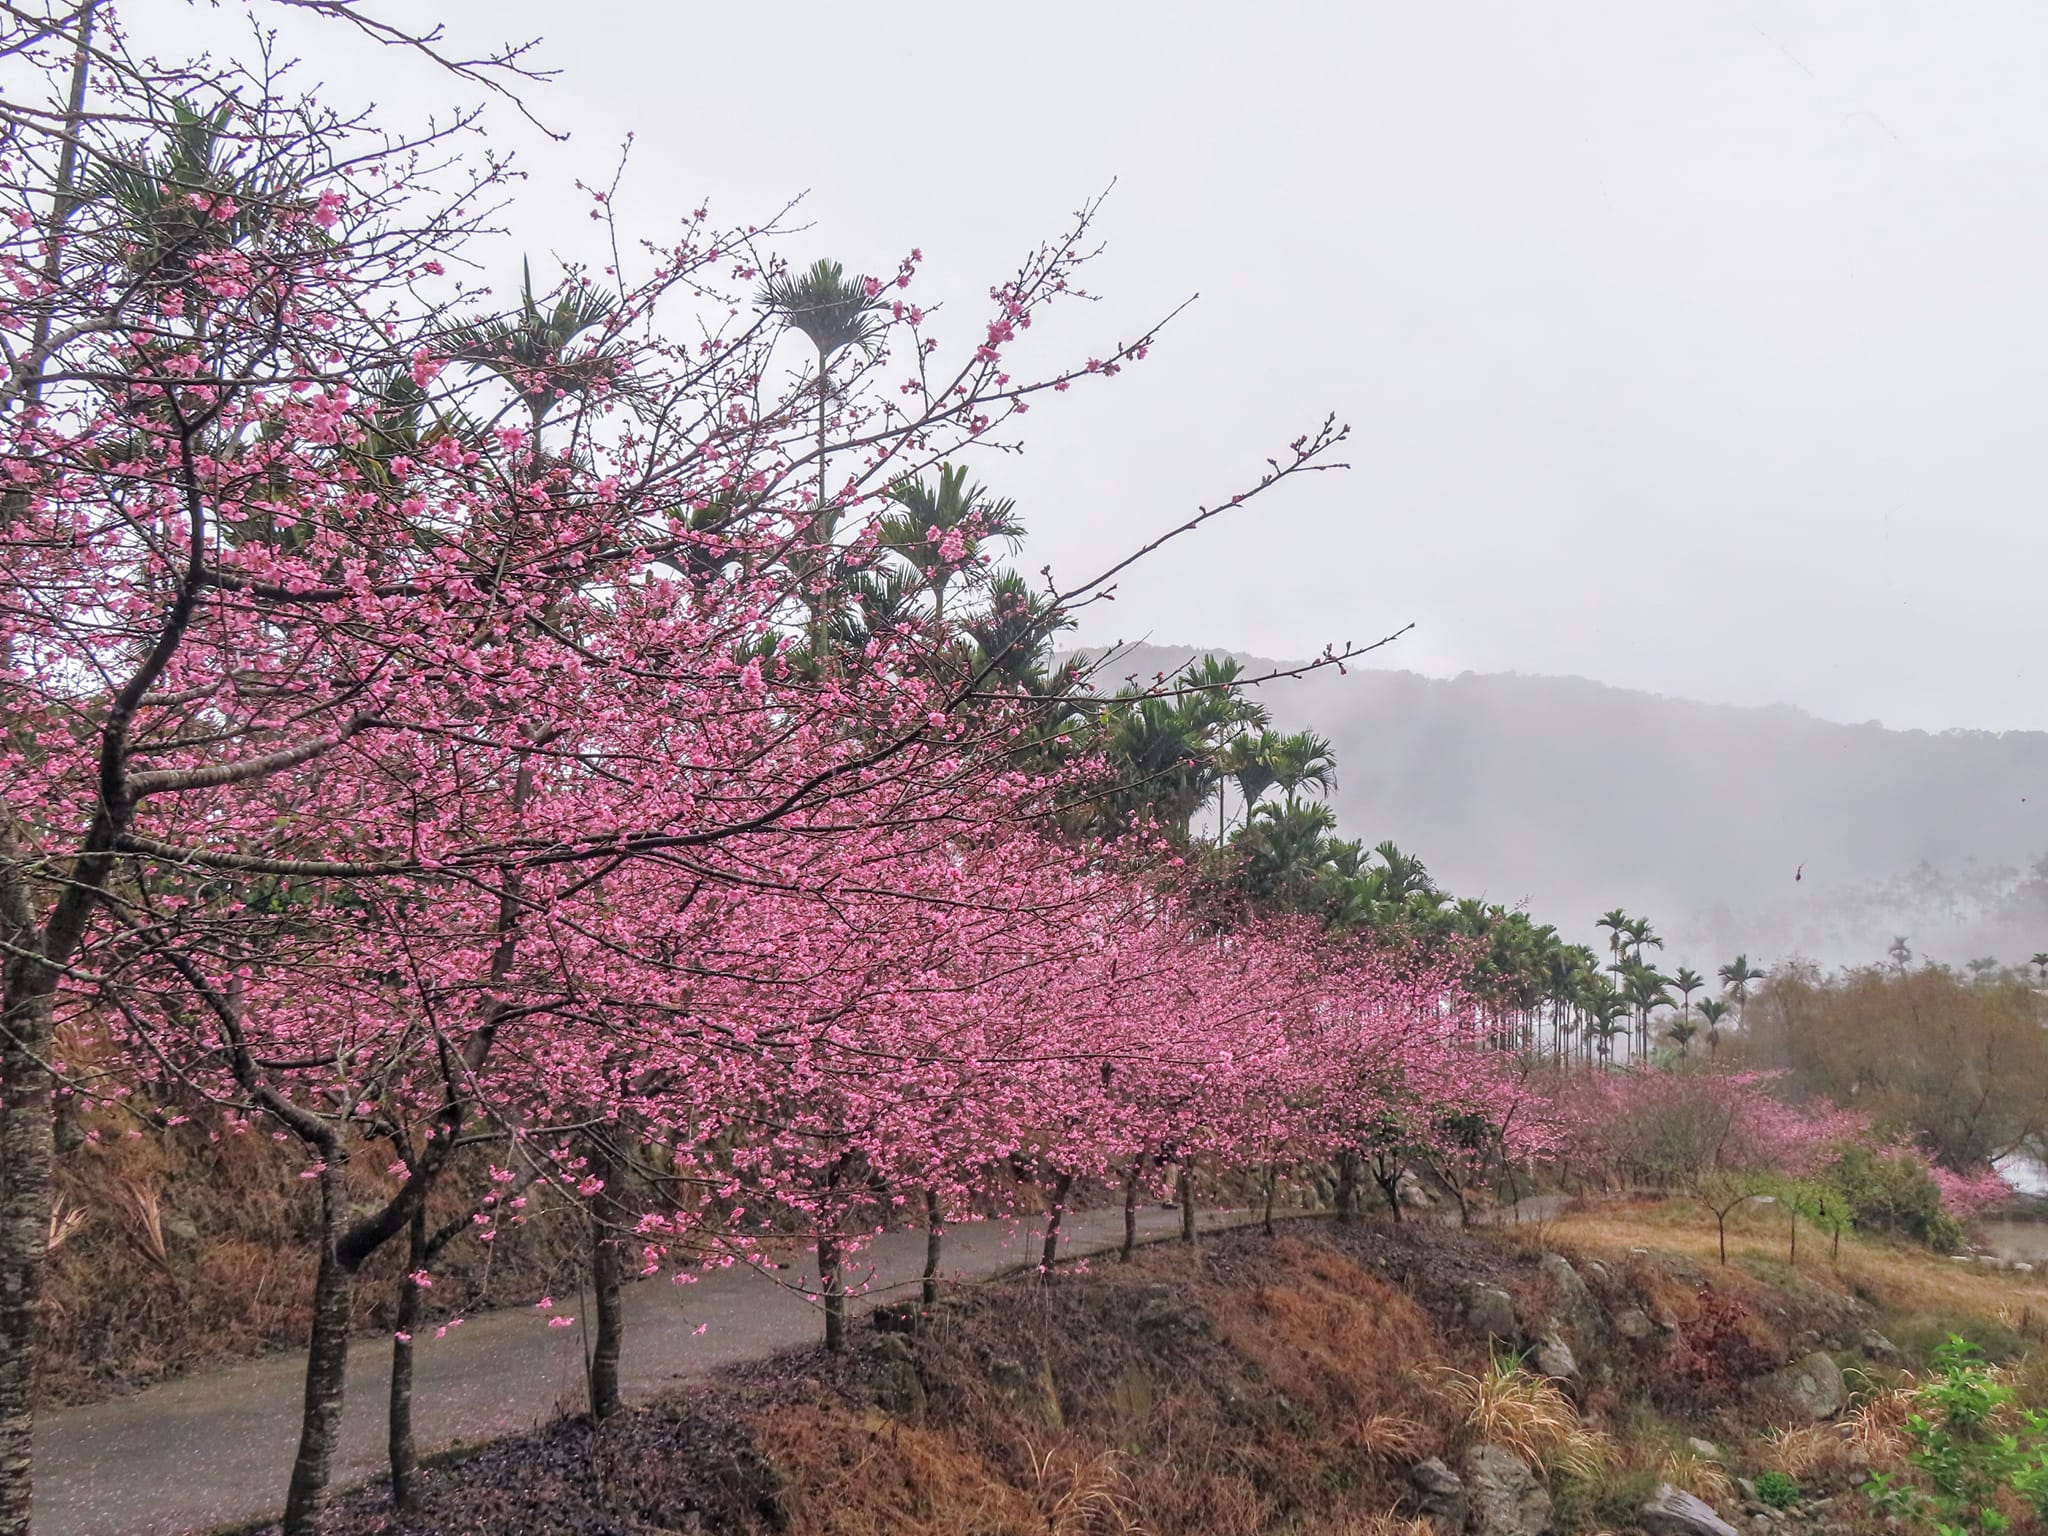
(1895, 1277)
(1696, 1474)
(1506, 1405)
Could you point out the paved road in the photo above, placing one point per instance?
(213, 1449)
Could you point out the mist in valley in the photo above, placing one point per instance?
(1763, 831)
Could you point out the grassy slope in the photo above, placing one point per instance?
(1257, 1386)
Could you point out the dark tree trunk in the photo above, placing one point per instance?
(1272, 1184)
(606, 1264)
(1186, 1182)
(404, 1453)
(326, 1363)
(832, 1286)
(1062, 1187)
(934, 1243)
(1131, 1178)
(1389, 1181)
(27, 1161)
(1347, 1187)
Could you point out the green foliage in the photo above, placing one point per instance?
(1777, 1489)
(1893, 1193)
(1971, 1443)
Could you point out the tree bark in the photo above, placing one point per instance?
(1062, 1187)
(27, 1160)
(832, 1287)
(326, 1363)
(403, 1451)
(1186, 1183)
(1347, 1187)
(934, 1242)
(1137, 1171)
(606, 1263)
(1272, 1185)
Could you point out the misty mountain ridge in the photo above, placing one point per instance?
(1571, 796)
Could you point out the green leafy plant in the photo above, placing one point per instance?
(1971, 1441)
(1777, 1489)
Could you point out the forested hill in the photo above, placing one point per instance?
(1579, 797)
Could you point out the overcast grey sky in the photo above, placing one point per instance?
(1698, 345)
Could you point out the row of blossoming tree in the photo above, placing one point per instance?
(588, 736)
(590, 740)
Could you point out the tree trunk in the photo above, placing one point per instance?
(1347, 1187)
(403, 1452)
(27, 1161)
(326, 1364)
(1062, 1187)
(1272, 1184)
(1131, 1178)
(832, 1286)
(606, 1264)
(934, 1241)
(1186, 1183)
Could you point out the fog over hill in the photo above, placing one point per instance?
(1575, 797)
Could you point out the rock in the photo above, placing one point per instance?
(1706, 1450)
(890, 1348)
(1491, 1311)
(2020, 1268)
(181, 1226)
(1878, 1347)
(1746, 1488)
(1439, 1492)
(1595, 1271)
(895, 1317)
(1633, 1323)
(1805, 1342)
(1813, 1386)
(1502, 1495)
(898, 1387)
(1164, 1312)
(1573, 1309)
(1674, 1512)
(1412, 1192)
(1553, 1358)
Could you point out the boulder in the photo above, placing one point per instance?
(1674, 1512)
(1813, 1386)
(1573, 1311)
(898, 1387)
(1502, 1495)
(1491, 1311)
(1878, 1347)
(1706, 1450)
(1439, 1492)
(1633, 1323)
(1552, 1357)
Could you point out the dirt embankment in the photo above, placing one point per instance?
(1329, 1380)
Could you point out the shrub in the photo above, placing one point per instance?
(1893, 1192)
(1972, 1448)
(1777, 1489)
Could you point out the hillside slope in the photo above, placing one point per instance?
(1577, 797)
